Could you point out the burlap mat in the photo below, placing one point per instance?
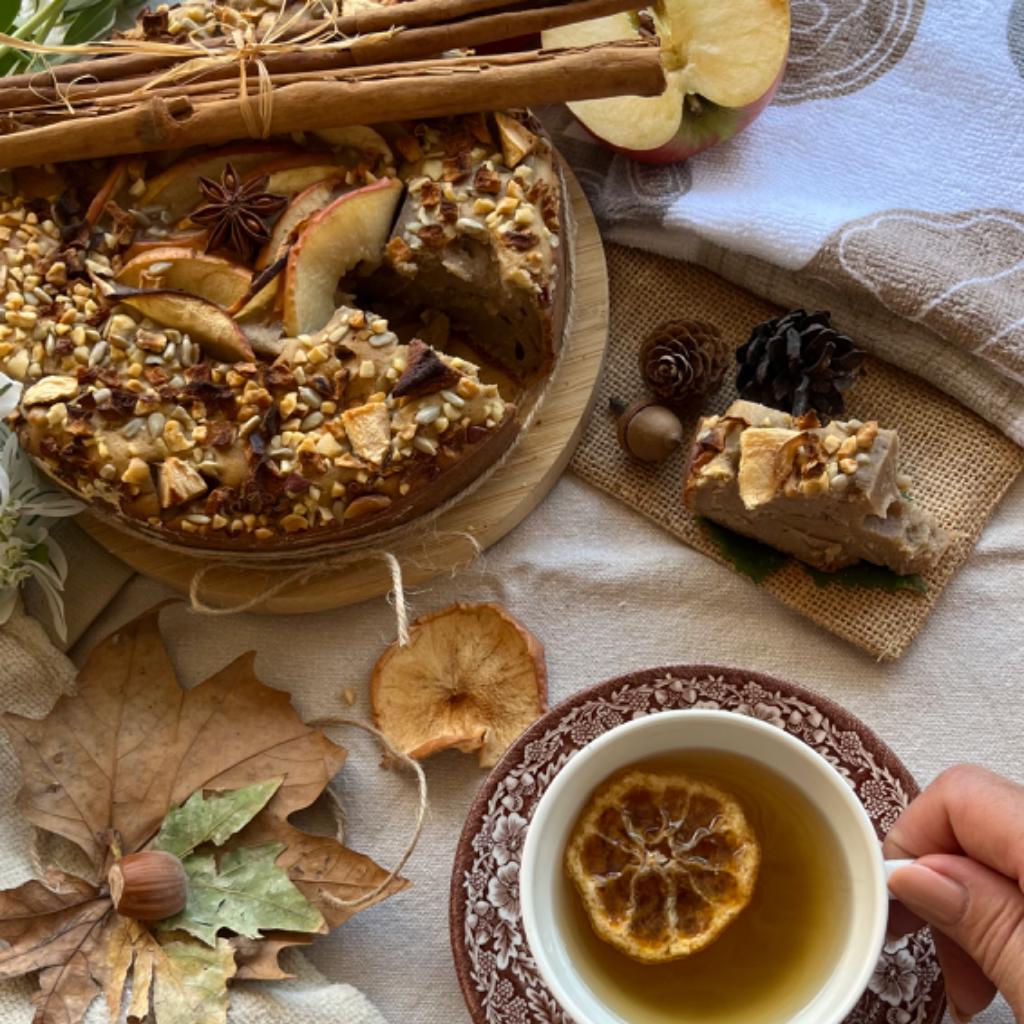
(960, 466)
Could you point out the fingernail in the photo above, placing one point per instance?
(936, 898)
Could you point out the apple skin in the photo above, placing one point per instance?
(713, 125)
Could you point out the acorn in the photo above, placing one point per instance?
(148, 886)
(648, 431)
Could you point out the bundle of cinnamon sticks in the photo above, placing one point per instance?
(391, 61)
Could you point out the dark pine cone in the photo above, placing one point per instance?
(683, 359)
(798, 363)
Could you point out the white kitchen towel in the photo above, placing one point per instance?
(885, 183)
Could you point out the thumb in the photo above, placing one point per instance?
(979, 909)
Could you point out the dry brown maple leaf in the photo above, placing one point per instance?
(109, 763)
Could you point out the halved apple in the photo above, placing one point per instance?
(186, 270)
(724, 62)
(176, 190)
(363, 140)
(351, 230)
(205, 323)
(300, 209)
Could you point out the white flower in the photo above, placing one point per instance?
(27, 507)
(503, 892)
(895, 977)
(509, 835)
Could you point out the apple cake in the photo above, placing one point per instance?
(273, 344)
(829, 495)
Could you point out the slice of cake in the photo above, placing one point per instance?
(830, 496)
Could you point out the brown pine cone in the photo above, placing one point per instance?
(684, 359)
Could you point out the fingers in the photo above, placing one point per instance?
(980, 911)
(967, 988)
(902, 921)
(966, 810)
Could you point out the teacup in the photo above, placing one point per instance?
(542, 882)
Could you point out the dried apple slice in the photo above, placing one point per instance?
(205, 323)
(193, 239)
(471, 678)
(366, 142)
(176, 192)
(186, 270)
(291, 176)
(351, 230)
(300, 209)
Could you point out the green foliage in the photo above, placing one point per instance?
(246, 893)
(868, 577)
(56, 21)
(213, 820)
(748, 557)
(758, 561)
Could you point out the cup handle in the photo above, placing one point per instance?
(892, 866)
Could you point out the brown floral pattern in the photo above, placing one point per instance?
(841, 46)
(494, 965)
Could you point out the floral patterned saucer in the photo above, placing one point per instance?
(494, 965)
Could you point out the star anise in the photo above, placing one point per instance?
(239, 214)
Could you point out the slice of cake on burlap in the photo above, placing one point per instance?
(830, 496)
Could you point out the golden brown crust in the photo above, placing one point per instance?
(315, 438)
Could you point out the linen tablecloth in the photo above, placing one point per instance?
(607, 592)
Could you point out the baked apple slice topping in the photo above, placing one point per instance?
(186, 270)
(205, 322)
(352, 229)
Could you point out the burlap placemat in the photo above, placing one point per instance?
(960, 466)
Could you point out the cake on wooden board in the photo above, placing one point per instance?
(272, 344)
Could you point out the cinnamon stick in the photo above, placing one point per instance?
(23, 92)
(363, 96)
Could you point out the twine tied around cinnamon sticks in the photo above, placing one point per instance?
(239, 46)
(314, 69)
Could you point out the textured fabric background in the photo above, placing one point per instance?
(607, 592)
(884, 184)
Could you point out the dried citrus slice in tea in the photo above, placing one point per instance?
(663, 863)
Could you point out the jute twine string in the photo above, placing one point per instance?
(239, 45)
(395, 756)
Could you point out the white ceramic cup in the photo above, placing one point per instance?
(541, 877)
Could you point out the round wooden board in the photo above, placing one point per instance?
(507, 497)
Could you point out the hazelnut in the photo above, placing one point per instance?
(148, 886)
(649, 432)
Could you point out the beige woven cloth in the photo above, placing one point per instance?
(960, 466)
(33, 673)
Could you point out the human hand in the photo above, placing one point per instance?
(966, 834)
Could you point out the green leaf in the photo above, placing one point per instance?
(8, 12)
(868, 577)
(190, 983)
(749, 557)
(91, 24)
(759, 561)
(248, 893)
(213, 820)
